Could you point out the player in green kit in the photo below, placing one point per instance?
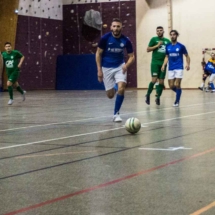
(158, 47)
(13, 60)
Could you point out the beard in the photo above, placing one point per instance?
(160, 35)
(116, 33)
(173, 40)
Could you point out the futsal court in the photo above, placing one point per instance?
(61, 154)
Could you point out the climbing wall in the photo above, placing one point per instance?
(39, 38)
(78, 40)
(90, 1)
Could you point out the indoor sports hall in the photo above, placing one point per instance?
(60, 151)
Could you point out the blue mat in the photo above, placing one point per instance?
(77, 72)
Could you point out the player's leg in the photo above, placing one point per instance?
(119, 100)
(204, 77)
(109, 82)
(178, 91)
(154, 74)
(19, 89)
(171, 80)
(121, 80)
(178, 79)
(161, 76)
(10, 91)
(212, 77)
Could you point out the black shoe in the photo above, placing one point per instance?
(157, 101)
(200, 88)
(147, 100)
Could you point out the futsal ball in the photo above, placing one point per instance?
(132, 125)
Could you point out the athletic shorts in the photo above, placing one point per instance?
(212, 77)
(208, 73)
(156, 71)
(176, 73)
(13, 76)
(111, 76)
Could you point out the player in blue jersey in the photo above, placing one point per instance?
(112, 69)
(208, 69)
(174, 55)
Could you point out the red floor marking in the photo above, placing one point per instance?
(106, 184)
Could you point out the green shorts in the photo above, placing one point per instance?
(13, 76)
(156, 71)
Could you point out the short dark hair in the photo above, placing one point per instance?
(159, 27)
(174, 31)
(116, 20)
(7, 43)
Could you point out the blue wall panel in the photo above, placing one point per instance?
(77, 72)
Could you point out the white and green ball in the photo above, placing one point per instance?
(132, 125)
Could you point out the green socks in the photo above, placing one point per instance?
(151, 86)
(160, 88)
(20, 89)
(10, 90)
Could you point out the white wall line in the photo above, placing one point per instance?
(96, 132)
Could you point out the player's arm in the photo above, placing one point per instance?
(21, 61)
(166, 59)
(187, 67)
(98, 63)
(152, 48)
(131, 60)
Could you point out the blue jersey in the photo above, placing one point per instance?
(113, 50)
(175, 54)
(210, 67)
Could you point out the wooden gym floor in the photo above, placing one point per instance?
(61, 154)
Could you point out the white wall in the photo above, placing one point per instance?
(50, 9)
(194, 21)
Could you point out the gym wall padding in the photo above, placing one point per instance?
(77, 72)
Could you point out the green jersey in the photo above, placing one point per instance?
(11, 60)
(158, 54)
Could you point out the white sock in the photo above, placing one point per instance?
(202, 85)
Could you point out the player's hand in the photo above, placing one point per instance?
(19, 66)
(160, 43)
(100, 76)
(124, 68)
(162, 68)
(187, 67)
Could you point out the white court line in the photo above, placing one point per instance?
(94, 118)
(60, 138)
(96, 132)
(171, 149)
(178, 118)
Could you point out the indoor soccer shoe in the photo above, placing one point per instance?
(157, 101)
(176, 104)
(117, 118)
(10, 102)
(200, 88)
(147, 100)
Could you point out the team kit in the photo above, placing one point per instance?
(112, 68)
